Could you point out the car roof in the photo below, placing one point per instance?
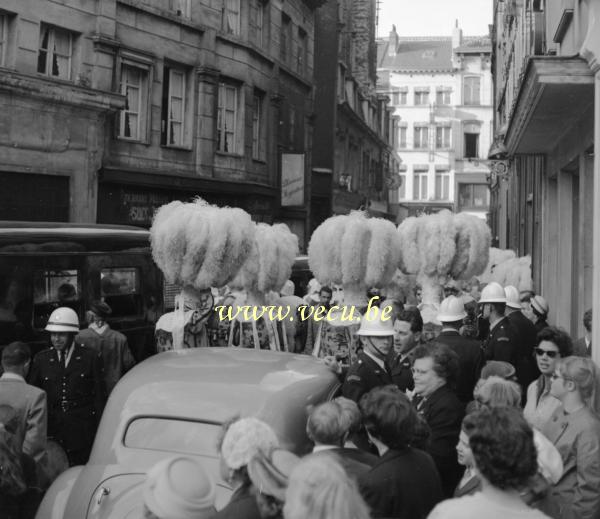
(214, 384)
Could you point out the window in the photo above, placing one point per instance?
(257, 126)
(442, 96)
(471, 91)
(442, 137)
(173, 116)
(285, 40)
(442, 185)
(55, 51)
(51, 289)
(134, 86)
(3, 38)
(181, 7)
(292, 126)
(403, 98)
(421, 140)
(120, 288)
(395, 98)
(402, 137)
(231, 16)
(402, 188)
(421, 96)
(471, 145)
(473, 196)
(227, 112)
(302, 52)
(173, 435)
(420, 185)
(260, 14)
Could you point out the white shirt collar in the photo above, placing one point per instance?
(11, 376)
(319, 448)
(377, 361)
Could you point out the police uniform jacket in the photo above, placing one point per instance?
(76, 394)
(364, 375)
(501, 343)
(470, 360)
(526, 367)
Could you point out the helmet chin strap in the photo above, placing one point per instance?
(383, 355)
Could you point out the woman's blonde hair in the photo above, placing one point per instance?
(319, 488)
(584, 373)
(498, 392)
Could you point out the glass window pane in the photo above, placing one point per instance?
(176, 109)
(42, 57)
(62, 42)
(230, 98)
(176, 83)
(51, 289)
(173, 435)
(44, 37)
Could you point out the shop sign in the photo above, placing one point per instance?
(292, 179)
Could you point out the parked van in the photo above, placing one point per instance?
(47, 265)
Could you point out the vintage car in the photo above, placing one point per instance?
(175, 402)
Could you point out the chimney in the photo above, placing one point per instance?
(393, 42)
(456, 35)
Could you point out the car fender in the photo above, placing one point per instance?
(55, 501)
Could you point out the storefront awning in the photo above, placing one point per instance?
(555, 93)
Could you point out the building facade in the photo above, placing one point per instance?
(354, 163)
(114, 108)
(547, 125)
(441, 91)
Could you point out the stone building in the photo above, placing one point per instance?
(441, 91)
(354, 163)
(545, 201)
(114, 108)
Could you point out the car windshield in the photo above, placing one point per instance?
(172, 435)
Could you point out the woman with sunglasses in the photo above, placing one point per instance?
(574, 428)
(552, 345)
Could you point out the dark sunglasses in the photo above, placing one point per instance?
(551, 354)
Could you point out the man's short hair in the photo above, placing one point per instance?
(587, 320)
(15, 355)
(413, 317)
(327, 289)
(556, 336)
(327, 424)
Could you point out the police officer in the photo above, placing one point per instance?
(501, 341)
(370, 369)
(72, 377)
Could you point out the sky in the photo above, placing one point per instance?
(434, 17)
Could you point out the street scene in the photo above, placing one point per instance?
(299, 259)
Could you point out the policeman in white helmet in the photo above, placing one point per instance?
(370, 369)
(72, 377)
(501, 341)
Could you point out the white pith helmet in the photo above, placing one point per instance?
(493, 293)
(451, 309)
(63, 319)
(513, 300)
(375, 327)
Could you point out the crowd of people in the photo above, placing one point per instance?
(488, 410)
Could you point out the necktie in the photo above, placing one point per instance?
(61, 359)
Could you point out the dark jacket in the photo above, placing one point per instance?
(242, 505)
(540, 324)
(404, 484)
(363, 376)
(401, 370)
(525, 335)
(501, 343)
(581, 349)
(470, 361)
(75, 395)
(443, 412)
(353, 467)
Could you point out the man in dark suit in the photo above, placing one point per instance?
(525, 335)
(29, 402)
(435, 371)
(407, 336)
(582, 347)
(370, 369)
(470, 358)
(73, 379)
